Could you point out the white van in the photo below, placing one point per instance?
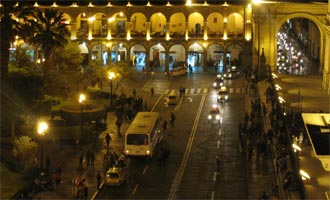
(172, 98)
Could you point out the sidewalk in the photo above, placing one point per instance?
(67, 156)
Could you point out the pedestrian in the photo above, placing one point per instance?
(107, 140)
(165, 125)
(88, 158)
(98, 179)
(47, 165)
(59, 170)
(217, 159)
(85, 188)
(263, 196)
(152, 91)
(172, 119)
(118, 124)
(81, 159)
(74, 184)
(80, 189)
(134, 92)
(92, 155)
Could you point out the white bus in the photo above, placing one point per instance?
(142, 135)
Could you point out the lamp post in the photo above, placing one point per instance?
(42, 127)
(111, 76)
(82, 98)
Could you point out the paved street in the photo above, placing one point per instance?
(257, 181)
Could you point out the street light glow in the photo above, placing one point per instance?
(42, 127)
(112, 75)
(82, 98)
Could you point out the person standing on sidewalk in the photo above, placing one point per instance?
(107, 140)
(152, 91)
(85, 186)
(172, 119)
(98, 179)
(118, 124)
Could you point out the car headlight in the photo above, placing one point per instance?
(221, 84)
(214, 84)
(226, 97)
(217, 117)
(209, 117)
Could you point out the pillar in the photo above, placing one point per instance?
(205, 28)
(205, 59)
(109, 36)
(167, 62)
(187, 31)
(73, 30)
(148, 24)
(128, 30)
(167, 30)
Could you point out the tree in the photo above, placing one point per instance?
(12, 16)
(49, 33)
(66, 78)
(25, 150)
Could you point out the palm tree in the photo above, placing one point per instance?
(12, 16)
(49, 33)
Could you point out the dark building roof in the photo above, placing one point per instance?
(321, 141)
(142, 2)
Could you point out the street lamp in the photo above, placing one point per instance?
(42, 127)
(111, 76)
(82, 98)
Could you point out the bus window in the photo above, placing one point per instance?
(137, 139)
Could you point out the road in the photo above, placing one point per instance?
(191, 171)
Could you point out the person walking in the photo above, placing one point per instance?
(152, 91)
(217, 159)
(92, 155)
(85, 188)
(107, 140)
(98, 179)
(172, 119)
(165, 125)
(118, 124)
(59, 170)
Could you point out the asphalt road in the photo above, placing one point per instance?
(191, 171)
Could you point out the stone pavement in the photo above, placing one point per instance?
(303, 94)
(68, 155)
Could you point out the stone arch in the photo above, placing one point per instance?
(177, 24)
(99, 25)
(235, 24)
(195, 24)
(235, 49)
(157, 55)
(138, 53)
(138, 21)
(177, 53)
(119, 52)
(215, 23)
(195, 54)
(315, 20)
(157, 22)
